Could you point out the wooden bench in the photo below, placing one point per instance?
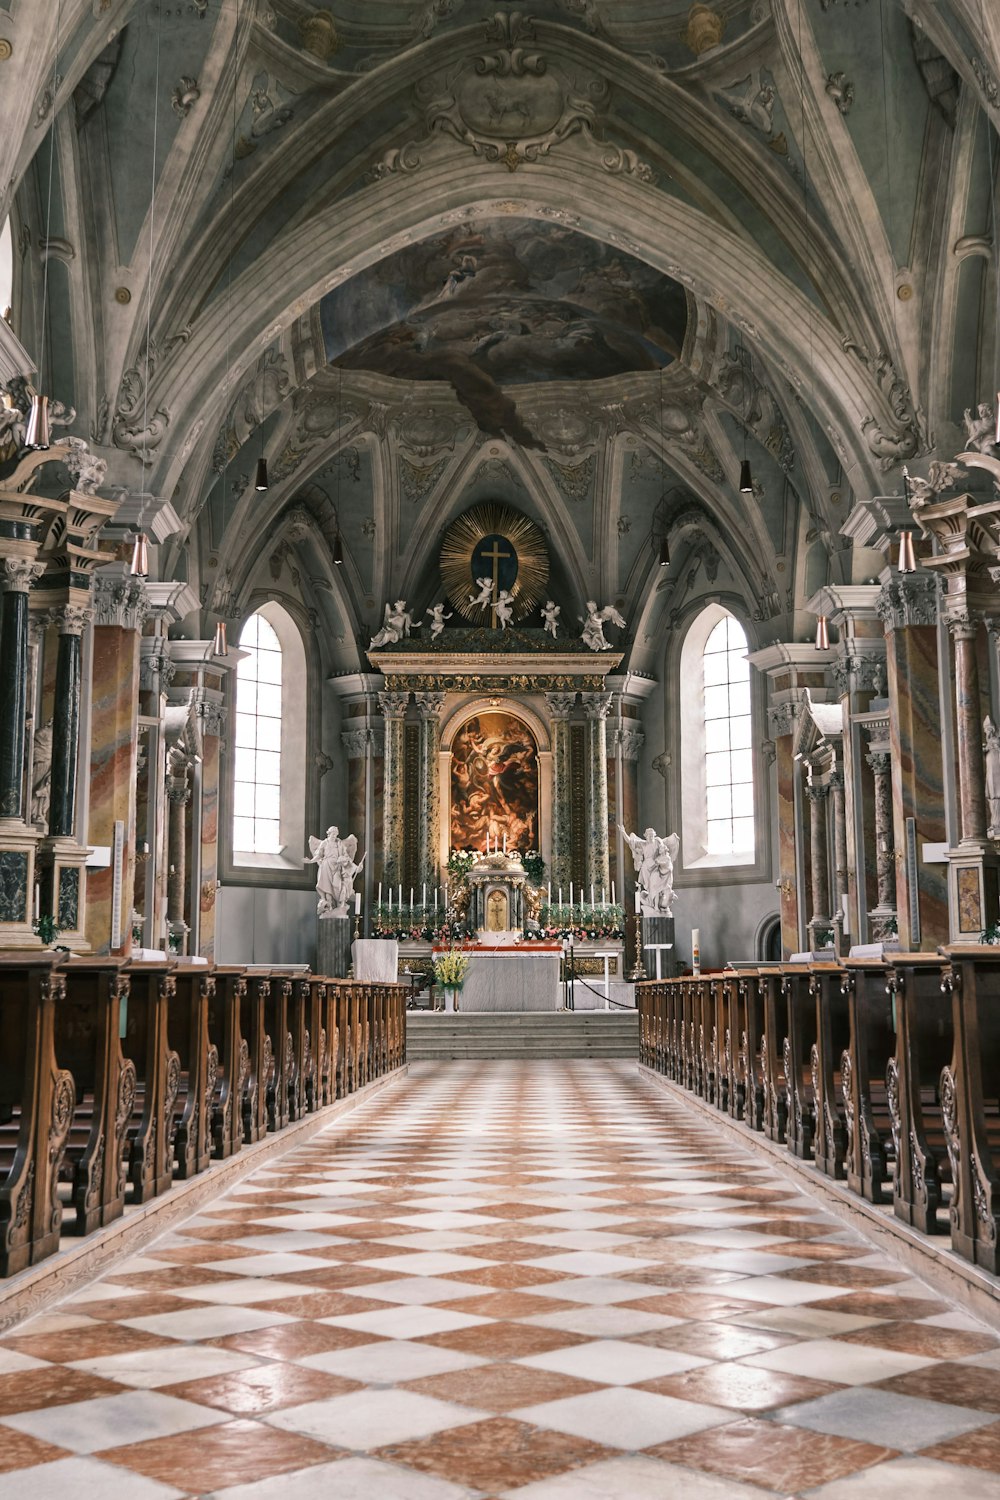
(796, 1058)
(924, 1047)
(970, 1105)
(750, 1078)
(225, 1007)
(158, 1070)
(833, 1035)
(37, 1099)
(771, 1049)
(863, 1067)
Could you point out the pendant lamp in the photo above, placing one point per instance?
(260, 483)
(139, 566)
(907, 562)
(822, 633)
(219, 645)
(746, 478)
(36, 434)
(664, 553)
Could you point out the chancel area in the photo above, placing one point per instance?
(499, 750)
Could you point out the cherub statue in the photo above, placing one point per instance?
(550, 614)
(980, 430)
(940, 477)
(593, 629)
(503, 608)
(398, 622)
(485, 595)
(336, 871)
(438, 617)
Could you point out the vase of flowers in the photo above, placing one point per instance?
(450, 970)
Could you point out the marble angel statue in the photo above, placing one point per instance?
(593, 629)
(550, 614)
(438, 617)
(485, 595)
(992, 747)
(398, 621)
(654, 865)
(503, 608)
(336, 871)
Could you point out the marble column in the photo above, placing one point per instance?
(429, 852)
(818, 795)
(393, 706)
(69, 620)
(969, 733)
(840, 865)
(561, 706)
(629, 740)
(597, 706)
(178, 797)
(885, 851)
(212, 719)
(17, 574)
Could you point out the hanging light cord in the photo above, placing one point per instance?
(149, 272)
(229, 272)
(48, 203)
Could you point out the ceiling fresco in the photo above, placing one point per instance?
(505, 302)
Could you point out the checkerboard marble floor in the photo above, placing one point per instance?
(546, 1280)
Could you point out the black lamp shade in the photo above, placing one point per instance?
(664, 553)
(260, 483)
(746, 478)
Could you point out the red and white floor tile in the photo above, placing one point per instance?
(544, 1280)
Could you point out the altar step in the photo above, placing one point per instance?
(439, 1037)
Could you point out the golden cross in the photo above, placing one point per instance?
(495, 556)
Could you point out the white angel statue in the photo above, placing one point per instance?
(485, 595)
(593, 629)
(654, 869)
(398, 621)
(503, 608)
(438, 617)
(550, 614)
(336, 871)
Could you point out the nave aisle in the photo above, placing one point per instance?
(537, 1279)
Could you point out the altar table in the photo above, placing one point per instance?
(525, 977)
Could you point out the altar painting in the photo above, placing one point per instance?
(494, 784)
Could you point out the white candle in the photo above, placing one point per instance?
(399, 896)
(560, 895)
(505, 843)
(380, 893)
(357, 903)
(591, 894)
(423, 899)
(612, 893)
(436, 889)
(550, 893)
(604, 895)
(446, 895)
(411, 898)
(571, 893)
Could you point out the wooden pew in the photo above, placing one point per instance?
(863, 1068)
(301, 1081)
(750, 1078)
(771, 1047)
(225, 1005)
(924, 1047)
(158, 1070)
(319, 1045)
(969, 1089)
(796, 1056)
(187, 1029)
(833, 1034)
(88, 1042)
(37, 1099)
(260, 1058)
(282, 1048)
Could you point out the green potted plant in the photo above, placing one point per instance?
(450, 970)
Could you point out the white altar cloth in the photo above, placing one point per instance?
(376, 960)
(513, 979)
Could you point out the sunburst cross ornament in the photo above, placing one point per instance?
(493, 550)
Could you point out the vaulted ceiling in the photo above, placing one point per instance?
(581, 258)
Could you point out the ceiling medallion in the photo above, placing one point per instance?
(496, 542)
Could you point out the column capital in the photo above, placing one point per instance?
(429, 705)
(907, 599)
(836, 781)
(597, 706)
(393, 705)
(561, 705)
(356, 742)
(861, 670)
(212, 716)
(962, 624)
(782, 718)
(69, 619)
(17, 574)
(631, 741)
(119, 599)
(818, 791)
(880, 762)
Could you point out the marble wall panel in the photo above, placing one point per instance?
(115, 696)
(917, 777)
(786, 845)
(209, 844)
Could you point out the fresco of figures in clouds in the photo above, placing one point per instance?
(505, 302)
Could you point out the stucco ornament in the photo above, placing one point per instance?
(550, 615)
(503, 608)
(593, 629)
(654, 870)
(980, 430)
(511, 103)
(485, 595)
(438, 617)
(398, 622)
(336, 872)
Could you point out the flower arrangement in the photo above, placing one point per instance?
(460, 862)
(534, 867)
(581, 921)
(451, 968)
(46, 929)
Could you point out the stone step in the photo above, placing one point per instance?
(521, 1035)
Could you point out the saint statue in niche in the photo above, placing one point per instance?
(494, 784)
(992, 748)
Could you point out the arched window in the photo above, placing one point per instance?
(6, 267)
(729, 826)
(717, 771)
(257, 767)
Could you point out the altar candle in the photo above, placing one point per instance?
(550, 893)
(411, 898)
(612, 893)
(423, 899)
(505, 843)
(357, 903)
(560, 895)
(571, 893)
(695, 950)
(591, 894)
(399, 897)
(604, 895)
